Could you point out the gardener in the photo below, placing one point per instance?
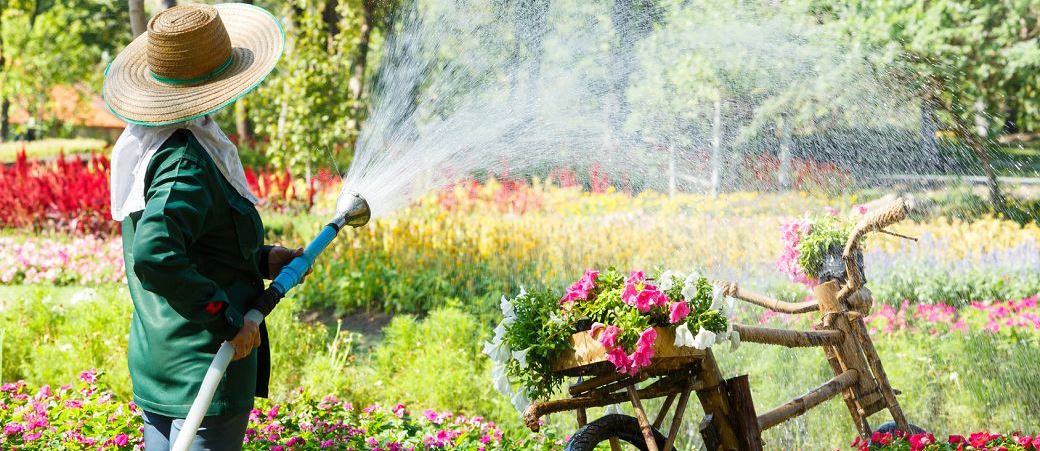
(192, 239)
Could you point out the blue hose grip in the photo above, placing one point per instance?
(291, 274)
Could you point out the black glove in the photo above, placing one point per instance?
(267, 301)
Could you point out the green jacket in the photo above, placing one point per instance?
(193, 259)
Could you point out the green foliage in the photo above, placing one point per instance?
(826, 234)
(50, 43)
(542, 334)
(51, 334)
(304, 106)
(441, 354)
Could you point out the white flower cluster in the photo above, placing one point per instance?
(704, 338)
(498, 350)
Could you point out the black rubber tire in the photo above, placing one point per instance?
(891, 427)
(621, 427)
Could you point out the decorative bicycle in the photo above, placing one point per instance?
(730, 421)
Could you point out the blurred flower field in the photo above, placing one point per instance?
(956, 318)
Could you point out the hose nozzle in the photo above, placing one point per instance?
(352, 210)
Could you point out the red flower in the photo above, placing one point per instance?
(980, 439)
(881, 438)
(1025, 441)
(919, 441)
(955, 439)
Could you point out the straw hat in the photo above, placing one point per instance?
(193, 60)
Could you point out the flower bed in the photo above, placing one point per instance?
(84, 260)
(67, 194)
(72, 194)
(982, 441)
(997, 316)
(619, 312)
(85, 416)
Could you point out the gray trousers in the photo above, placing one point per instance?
(217, 433)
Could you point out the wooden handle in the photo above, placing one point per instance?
(872, 222)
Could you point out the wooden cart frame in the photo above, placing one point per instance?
(730, 421)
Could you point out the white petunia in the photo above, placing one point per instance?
(689, 290)
(500, 379)
(497, 350)
(521, 401)
(718, 297)
(683, 337)
(507, 308)
(729, 307)
(523, 292)
(521, 357)
(704, 339)
(666, 280)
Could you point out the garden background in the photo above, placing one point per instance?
(395, 313)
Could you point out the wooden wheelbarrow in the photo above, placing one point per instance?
(730, 421)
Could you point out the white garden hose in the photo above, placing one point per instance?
(214, 374)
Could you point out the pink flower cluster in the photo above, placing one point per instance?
(939, 318)
(83, 415)
(641, 294)
(629, 363)
(84, 260)
(1010, 314)
(892, 441)
(790, 236)
(580, 290)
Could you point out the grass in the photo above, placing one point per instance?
(50, 148)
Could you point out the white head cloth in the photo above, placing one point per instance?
(136, 146)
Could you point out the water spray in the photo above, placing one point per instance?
(351, 210)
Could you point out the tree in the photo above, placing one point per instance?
(969, 59)
(46, 44)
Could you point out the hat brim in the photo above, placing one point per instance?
(135, 96)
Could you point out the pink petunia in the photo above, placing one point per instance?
(678, 312)
(609, 337)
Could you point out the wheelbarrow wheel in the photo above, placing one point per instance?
(622, 427)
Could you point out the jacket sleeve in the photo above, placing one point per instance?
(263, 254)
(177, 202)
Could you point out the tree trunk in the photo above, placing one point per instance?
(977, 143)
(5, 120)
(671, 169)
(716, 148)
(138, 21)
(784, 176)
(330, 15)
(5, 104)
(929, 143)
(243, 126)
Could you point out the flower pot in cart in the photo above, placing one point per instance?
(588, 357)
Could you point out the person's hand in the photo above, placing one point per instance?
(280, 257)
(247, 339)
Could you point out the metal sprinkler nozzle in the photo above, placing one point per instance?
(355, 211)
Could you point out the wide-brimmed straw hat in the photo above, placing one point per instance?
(193, 60)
